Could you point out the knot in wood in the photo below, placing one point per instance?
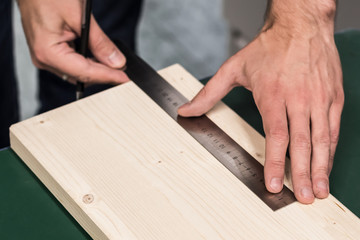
(88, 198)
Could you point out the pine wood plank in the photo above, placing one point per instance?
(126, 170)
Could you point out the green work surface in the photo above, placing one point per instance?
(29, 211)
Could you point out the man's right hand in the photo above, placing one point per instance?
(51, 26)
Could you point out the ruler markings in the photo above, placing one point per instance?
(239, 162)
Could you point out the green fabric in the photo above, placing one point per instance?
(345, 176)
(29, 211)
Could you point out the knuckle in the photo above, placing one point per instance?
(277, 164)
(322, 140)
(334, 136)
(204, 91)
(332, 156)
(301, 141)
(320, 171)
(302, 174)
(100, 43)
(279, 134)
(340, 97)
(86, 72)
(301, 97)
(322, 97)
(276, 88)
(39, 54)
(302, 104)
(326, 101)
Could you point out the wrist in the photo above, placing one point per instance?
(301, 17)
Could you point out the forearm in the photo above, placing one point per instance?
(301, 16)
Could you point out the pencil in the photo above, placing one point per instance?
(84, 40)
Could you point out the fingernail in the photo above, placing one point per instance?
(186, 104)
(307, 192)
(116, 59)
(322, 185)
(276, 184)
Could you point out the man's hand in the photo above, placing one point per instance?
(293, 69)
(51, 26)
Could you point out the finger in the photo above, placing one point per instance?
(65, 60)
(334, 122)
(277, 140)
(63, 76)
(103, 48)
(320, 138)
(300, 152)
(210, 94)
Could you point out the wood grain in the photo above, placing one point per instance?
(125, 170)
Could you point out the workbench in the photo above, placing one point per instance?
(29, 211)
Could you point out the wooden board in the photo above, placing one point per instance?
(125, 170)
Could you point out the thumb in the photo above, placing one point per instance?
(103, 48)
(217, 88)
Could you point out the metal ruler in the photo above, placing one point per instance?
(239, 162)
